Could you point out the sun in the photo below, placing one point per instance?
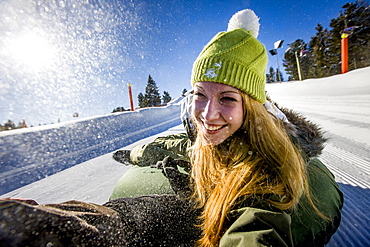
(33, 50)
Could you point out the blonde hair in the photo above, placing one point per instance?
(256, 161)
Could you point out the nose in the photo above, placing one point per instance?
(211, 110)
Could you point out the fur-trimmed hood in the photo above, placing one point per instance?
(306, 134)
(309, 135)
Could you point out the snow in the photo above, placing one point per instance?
(90, 181)
(339, 104)
(350, 84)
(28, 155)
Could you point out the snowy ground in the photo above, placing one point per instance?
(91, 181)
(30, 154)
(339, 104)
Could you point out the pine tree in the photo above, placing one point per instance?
(184, 91)
(280, 75)
(270, 77)
(152, 95)
(166, 97)
(119, 109)
(323, 56)
(320, 64)
(142, 101)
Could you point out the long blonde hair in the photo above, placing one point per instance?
(259, 159)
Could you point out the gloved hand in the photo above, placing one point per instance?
(123, 156)
(25, 223)
(175, 162)
(179, 181)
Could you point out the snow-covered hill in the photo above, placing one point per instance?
(341, 106)
(28, 155)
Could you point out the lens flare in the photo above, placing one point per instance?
(32, 50)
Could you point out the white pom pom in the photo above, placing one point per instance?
(245, 19)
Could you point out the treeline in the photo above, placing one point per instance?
(321, 56)
(10, 125)
(152, 96)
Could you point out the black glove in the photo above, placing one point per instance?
(179, 181)
(123, 156)
(73, 223)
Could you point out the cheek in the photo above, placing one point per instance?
(196, 109)
(235, 116)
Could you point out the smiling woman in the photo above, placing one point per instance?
(218, 109)
(32, 50)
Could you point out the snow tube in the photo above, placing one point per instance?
(141, 181)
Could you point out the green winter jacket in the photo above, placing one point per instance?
(176, 146)
(302, 227)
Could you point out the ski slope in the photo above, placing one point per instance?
(27, 155)
(339, 104)
(91, 181)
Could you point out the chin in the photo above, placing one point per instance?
(214, 141)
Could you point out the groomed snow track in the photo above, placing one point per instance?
(355, 228)
(340, 104)
(355, 225)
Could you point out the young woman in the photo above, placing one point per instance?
(242, 160)
(246, 171)
(249, 174)
(248, 179)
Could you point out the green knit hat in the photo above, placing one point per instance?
(235, 57)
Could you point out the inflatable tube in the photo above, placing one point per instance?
(141, 181)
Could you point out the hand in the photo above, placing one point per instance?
(73, 223)
(180, 182)
(176, 162)
(123, 156)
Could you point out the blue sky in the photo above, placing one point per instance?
(58, 58)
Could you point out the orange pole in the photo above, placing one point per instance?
(344, 54)
(131, 100)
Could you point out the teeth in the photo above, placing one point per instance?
(214, 127)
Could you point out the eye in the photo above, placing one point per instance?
(199, 95)
(228, 99)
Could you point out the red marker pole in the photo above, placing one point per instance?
(130, 94)
(344, 53)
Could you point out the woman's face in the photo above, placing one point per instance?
(218, 110)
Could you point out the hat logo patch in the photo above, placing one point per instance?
(211, 72)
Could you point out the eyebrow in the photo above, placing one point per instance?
(237, 92)
(224, 92)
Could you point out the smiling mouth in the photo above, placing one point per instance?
(213, 127)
